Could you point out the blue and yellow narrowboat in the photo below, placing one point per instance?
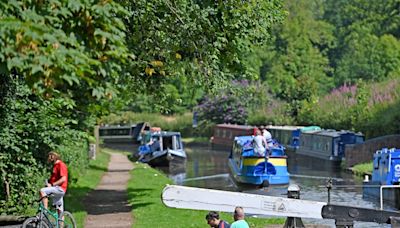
(249, 168)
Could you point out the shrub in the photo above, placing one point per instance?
(371, 109)
(29, 128)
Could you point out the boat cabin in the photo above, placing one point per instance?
(327, 144)
(284, 134)
(386, 166)
(224, 134)
(122, 134)
(163, 140)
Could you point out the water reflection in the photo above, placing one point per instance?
(207, 168)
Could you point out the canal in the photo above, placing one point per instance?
(208, 168)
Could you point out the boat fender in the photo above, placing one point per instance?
(265, 184)
(169, 157)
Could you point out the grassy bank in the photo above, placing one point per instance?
(144, 191)
(190, 140)
(87, 182)
(362, 169)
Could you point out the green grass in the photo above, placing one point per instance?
(144, 192)
(196, 140)
(361, 169)
(87, 182)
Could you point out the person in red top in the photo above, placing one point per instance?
(57, 184)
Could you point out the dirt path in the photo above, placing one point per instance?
(107, 205)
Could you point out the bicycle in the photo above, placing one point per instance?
(46, 218)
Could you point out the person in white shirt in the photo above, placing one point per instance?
(260, 144)
(268, 137)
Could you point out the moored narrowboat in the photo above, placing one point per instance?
(248, 168)
(385, 178)
(327, 145)
(162, 149)
(122, 137)
(225, 133)
(289, 136)
(284, 134)
(122, 133)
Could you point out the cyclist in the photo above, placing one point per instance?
(57, 184)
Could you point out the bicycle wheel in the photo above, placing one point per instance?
(34, 222)
(68, 221)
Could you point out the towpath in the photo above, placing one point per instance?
(107, 205)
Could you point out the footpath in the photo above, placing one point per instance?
(107, 205)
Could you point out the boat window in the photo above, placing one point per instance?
(176, 143)
(110, 132)
(376, 163)
(359, 139)
(167, 142)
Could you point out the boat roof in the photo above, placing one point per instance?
(165, 133)
(285, 127)
(243, 139)
(351, 132)
(118, 126)
(331, 132)
(235, 126)
(310, 128)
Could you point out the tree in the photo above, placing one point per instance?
(367, 33)
(368, 57)
(200, 42)
(297, 68)
(57, 59)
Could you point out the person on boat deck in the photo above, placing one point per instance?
(238, 216)
(260, 144)
(154, 144)
(268, 137)
(213, 220)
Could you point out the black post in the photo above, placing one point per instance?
(293, 222)
(329, 187)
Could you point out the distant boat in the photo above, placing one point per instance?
(225, 133)
(328, 145)
(122, 133)
(162, 149)
(248, 168)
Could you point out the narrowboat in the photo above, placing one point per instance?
(289, 136)
(125, 137)
(384, 183)
(248, 168)
(225, 133)
(284, 134)
(327, 144)
(162, 149)
(122, 134)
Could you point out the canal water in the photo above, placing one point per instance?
(208, 168)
